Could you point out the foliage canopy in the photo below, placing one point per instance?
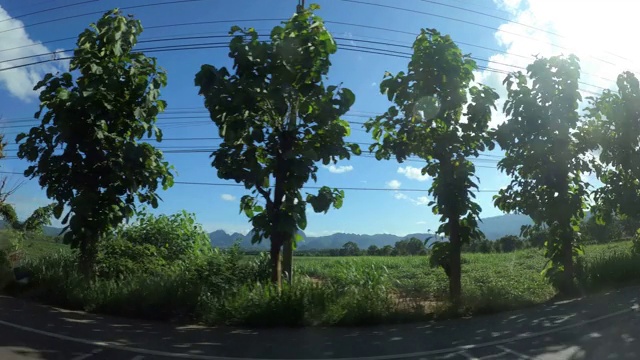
(278, 120)
(432, 118)
(86, 151)
(545, 155)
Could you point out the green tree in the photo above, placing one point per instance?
(400, 248)
(373, 250)
(277, 120)
(350, 249)
(34, 223)
(509, 243)
(415, 246)
(386, 250)
(412, 246)
(481, 245)
(545, 156)
(426, 120)
(596, 231)
(86, 150)
(536, 237)
(613, 125)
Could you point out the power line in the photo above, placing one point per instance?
(31, 4)
(319, 187)
(510, 21)
(465, 22)
(97, 13)
(328, 22)
(364, 156)
(159, 123)
(219, 138)
(141, 41)
(305, 187)
(175, 111)
(491, 16)
(206, 46)
(49, 9)
(216, 45)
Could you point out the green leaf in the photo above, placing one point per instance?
(355, 149)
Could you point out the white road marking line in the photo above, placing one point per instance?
(494, 356)
(467, 355)
(116, 346)
(522, 356)
(86, 356)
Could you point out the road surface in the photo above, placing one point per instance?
(605, 326)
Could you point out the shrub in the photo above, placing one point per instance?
(175, 237)
(119, 258)
(152, 245)
(11, 245)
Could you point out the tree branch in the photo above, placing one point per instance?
(266, 194)
(4, 194)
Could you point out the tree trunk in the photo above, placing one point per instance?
(88, 254)
(287, 259)
(567, 286)
(455, 279)
(276, 269)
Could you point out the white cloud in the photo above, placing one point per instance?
(394, 184)
(421, 223)
(413, 173)
(228, 197)
(603, 49)
(509, 5)
(400, 196)
(374, 84)
(228, 228)
(419, 201)
(339, 169)
(20, 81)
(322, 233)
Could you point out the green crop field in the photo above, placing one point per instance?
(491, 282)
(227, 288)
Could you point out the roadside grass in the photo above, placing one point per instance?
(491, 282)
(225, 287)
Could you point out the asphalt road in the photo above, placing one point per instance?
(601, 327)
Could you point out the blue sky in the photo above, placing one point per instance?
(367, 212)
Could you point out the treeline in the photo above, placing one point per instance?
(406, 247)
(591, 232)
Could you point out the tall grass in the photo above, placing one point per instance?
(610, 270)
(225, 287)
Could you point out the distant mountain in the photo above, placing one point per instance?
(493, 227)
(220, 238)
(496, 227)
(48, 230)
